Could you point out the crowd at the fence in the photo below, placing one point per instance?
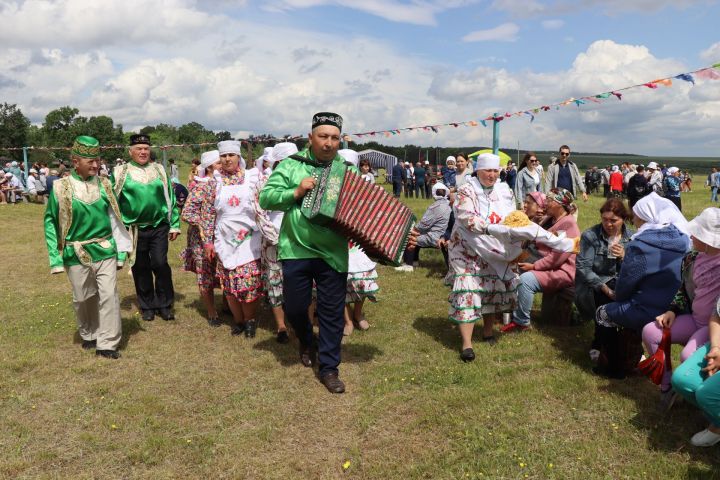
(635, 273)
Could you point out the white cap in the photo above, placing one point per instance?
(350, 156)
(231, 146)
(673, 170)
(449, 159)
(706, 227)
(488, 161)
(439, 186)
(32, 170)
(283, 150)
(652, 165)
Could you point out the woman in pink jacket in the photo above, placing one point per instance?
(554, 270)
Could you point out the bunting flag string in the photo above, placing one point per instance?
(707, 73)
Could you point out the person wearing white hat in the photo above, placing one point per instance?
(264, 163)
(431, 227)
(226, 212)
(694, 302)
(696, 378)
(272, 276)
(34, 186)
(655, 178)
(193, 256)
(671, 186)
(448, 172)
(484, 282)
(648, 280)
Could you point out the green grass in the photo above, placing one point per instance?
(189, 401)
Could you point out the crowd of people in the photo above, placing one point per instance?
(505, 238)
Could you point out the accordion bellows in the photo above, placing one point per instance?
(363, 212)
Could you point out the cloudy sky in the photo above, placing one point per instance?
(266, 66)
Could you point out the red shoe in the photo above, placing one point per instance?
(514, 327)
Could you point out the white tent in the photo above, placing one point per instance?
(379, 160)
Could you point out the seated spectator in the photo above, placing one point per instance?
(602, 248)
(697, 381)
(648, 280)
(554, 270)
(431, 227)
(534, 207)
(694, 302)
(3, 186)
(14, 188)
(35, 188)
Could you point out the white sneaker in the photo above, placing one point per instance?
(594, 355)
(404, 268)
(706, 438)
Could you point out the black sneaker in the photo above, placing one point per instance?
(89, 344)
(237, 329)
(148, 315)
(166, 314)
(250, 328)
(108, 354)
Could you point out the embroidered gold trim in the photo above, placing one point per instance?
(63, 193)
(143, 175)
(86, 192)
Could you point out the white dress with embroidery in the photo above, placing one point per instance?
(483, 279)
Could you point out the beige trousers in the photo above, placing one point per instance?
(96, 302)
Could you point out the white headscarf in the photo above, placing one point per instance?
(208, 159)
(350, 156)
(673, 170)
(283, 150)
(615, 168)
(658, 212)
(439, 186)
(231, 146)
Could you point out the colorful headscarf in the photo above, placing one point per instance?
(564, 198)
(539, 198)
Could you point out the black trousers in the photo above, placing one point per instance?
(397, 188)
(298, 276)
(151, 272)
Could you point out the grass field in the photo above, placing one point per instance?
(189, 401)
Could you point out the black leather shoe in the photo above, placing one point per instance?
(250, 328)
(333, 383)
(237, 329)
(89, 344)
(214, 321)
(166, 314)
(306, 356)
(282, 337)
(108, 354)
(467, 355)
(148, 315)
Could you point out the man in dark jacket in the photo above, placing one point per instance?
(398, 178)
(637, 186)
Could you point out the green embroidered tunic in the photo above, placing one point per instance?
(89, 219)
(145, 196)
(299, 237)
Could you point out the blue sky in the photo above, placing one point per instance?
(265, 67)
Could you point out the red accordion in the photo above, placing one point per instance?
(364, 212)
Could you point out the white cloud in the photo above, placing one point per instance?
(415, 12)
(712, 53)
(507, 32)
(553, 24)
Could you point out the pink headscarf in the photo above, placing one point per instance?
(539, 198)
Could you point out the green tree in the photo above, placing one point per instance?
(13, 128)
(222, 136)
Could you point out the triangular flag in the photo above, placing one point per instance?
(483, 123)
(603, 95)
(434, 129)
(532, 117)
(650, 85)
(663, 81)
(473, 123)
(579, 102)
(708, 74)
(687, 77)
(618, 95)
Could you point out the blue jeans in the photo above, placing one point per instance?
(527, 289)
(713, 194)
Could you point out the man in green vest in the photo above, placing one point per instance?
(86, 238)
(147, 203)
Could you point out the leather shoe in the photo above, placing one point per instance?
(148, 315)
(89, 344)
(333, 383)
(306, 356)
(108, 354)
(467, 355)
(282, 337)
(166, 314)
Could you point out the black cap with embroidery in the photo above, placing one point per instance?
(139, 139)
(327, 118)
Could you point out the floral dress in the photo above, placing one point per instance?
(362, 276)
(269, 224)
(483, 279)
(228, 216)
(193, 256)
